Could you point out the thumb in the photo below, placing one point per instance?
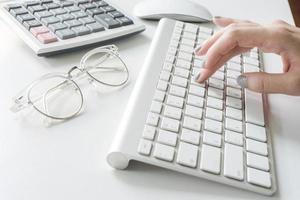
(264, 82)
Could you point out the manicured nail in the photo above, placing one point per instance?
(197, 77)
(242, 81)
(197, 49)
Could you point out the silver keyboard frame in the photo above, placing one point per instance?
(126, 140)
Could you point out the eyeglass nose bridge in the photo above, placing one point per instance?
(73, 69)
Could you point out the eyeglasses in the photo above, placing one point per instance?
(58, 96)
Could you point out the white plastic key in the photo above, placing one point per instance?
(187, 154)
(214, 114)
(254, 108)
(232, 83)
(234, 113)
(186, 56)
(210, 159)
(234, 66)
(233, 125)
(216, 83)
(258, 177)
(195, 100)
(175, 101)
(234, 92)
(164, 152)
(196, 90)
(145, 147)
(181, 72)
(190, 136)
(213, 92)
(233, 138)
(234, 102)
(152, 119)
(256, 132)
(251, 61)
(172, 112)
(258, 162)
(192, 123)
(168, 67)
(193, 111)
(170, 124)
(257, 147)
(212, 125)
(162, 85)
(156, 107)
(149, 132)
(214, 103)
(179, 81)
(212, 138)
(183, 63)
(233, 162)
(159, 96)
(233, 74)
(177, 91)
(167, 137)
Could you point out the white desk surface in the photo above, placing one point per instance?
(67, 161)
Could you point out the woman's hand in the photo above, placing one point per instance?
(240, 36)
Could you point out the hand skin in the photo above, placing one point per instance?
(240, 36)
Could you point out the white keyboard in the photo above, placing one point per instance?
(214, 130)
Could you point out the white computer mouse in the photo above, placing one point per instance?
(183, 10)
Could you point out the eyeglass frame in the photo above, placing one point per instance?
(20, 103)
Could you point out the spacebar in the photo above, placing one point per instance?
(254, 111)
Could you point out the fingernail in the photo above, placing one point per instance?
(242, 81)
(197, 77)
(197, 49)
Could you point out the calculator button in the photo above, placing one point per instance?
(25, 17)
(95, 11)
(50, 6)
(73, 9)
(47, 38)
(108, 8)
(31, 23)
(79, 14)
(81, 30)
(66, 3)
(65, 17)
(87, 6)
(43, 14)
(39, 30)
(116, 14)
(59, 11)
(101, 3)
(50, 20)
(95, 27)
(36, 8)
(107, 21)
(73, 23)
(57, 26)
(125, 21)
(65, 34)
(18, 11)
(87, 20)
(30, 3)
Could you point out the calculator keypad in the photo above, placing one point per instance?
(50, 21)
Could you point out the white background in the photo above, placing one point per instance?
(67, 161)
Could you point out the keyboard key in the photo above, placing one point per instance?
(175, 101)
(66, 3)
(232, 83)
(214, 114)
(187, 155)
(258, 162)
(193, 111)
(183, 63)
(39, 30)
(32, 23)
(195, 100)
(107, 21)
(65, 34)
(218, 75)
(258, 177)
(65, 17)
(86, 20)
(185, 56)
(170, 124)
(214, 103)
(73, 23)
(36, 8)
(192, 123)
(81, 30)
(72, 9)
(234, 102)
(100, 3)
(164, 152)
(232, 74)
(197, 90)
(145, 147)
(149, 132)
(87, 6)
(213, 92)
(159, 96)
(50, 20)
(156, 107)
(212, 125)
(46, 38)
(50, 6)
(116, 14)
(25, 17)
(257, 147)
(173, 112)
(179, 81)
(190, 136)
(59, 11)
(251, 61)
(167, 137)
(177, 91)
(234, 92)
(210, 159)
(233, 162)
(212, 138)
(108, 8)
(95, 11)
(57, 26)
(79, 14)
(216, 83)
(152, 119)
(256, 132)
(181, 72)
(168, 67)
(233, 138)
(95, 27)
(43, 14)
(233, 125)
(124, 21)
(234, 66)
(165, 75)
(234, 113)
(30, 3)
(18, 11)
(254, 108)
